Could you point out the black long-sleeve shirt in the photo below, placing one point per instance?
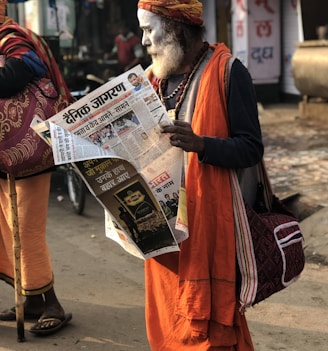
(244, 147)
(14, 77)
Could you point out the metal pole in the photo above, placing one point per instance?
(19, 305)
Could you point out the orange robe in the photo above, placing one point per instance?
(32, 211)
(191, 301)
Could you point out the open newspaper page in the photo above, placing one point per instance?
(113, 137)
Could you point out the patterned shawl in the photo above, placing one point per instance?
(13, 36)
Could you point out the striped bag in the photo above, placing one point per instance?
(269, 244)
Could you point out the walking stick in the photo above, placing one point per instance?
(19, 306)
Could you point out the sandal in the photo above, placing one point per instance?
(50, 325)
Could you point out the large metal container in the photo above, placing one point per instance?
(310, 68)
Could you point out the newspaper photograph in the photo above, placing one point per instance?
(113, 138)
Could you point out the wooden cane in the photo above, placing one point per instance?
(19, 305)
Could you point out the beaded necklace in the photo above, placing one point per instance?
(174, 92)
(181, 90)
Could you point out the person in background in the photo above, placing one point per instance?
(27, 58)
(127, 48)
(191, 300)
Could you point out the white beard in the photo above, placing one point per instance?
(169, 57)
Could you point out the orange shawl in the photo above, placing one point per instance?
(200, 279)
(207, 259)
(32, 202)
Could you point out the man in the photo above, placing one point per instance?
(136, 81)
(191, 301)
(27, 60)
(172, 204)
(127, 48)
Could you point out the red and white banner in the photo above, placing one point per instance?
(240, 30)
(256, 37)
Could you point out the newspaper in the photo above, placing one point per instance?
(112, 137)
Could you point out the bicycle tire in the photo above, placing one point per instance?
(76, 190)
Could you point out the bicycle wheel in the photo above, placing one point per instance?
(76, 190)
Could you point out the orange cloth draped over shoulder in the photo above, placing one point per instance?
(191, 299)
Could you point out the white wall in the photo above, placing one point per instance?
(291, 35)
(209, 16)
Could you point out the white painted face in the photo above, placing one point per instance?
(151, 25)
(165, 51)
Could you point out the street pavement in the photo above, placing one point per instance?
(95, 280)
(103, 286)
(296, 156)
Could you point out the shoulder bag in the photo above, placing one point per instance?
(269, 242)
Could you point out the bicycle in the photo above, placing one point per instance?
(76, 189)
(74, 186)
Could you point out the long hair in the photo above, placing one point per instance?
(185, 34)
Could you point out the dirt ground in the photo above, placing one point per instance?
(103, 287)
(296, 156)
(295, 319)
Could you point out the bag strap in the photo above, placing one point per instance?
(244, 247)
(263, 179)
(244, 244)
(262, 175)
